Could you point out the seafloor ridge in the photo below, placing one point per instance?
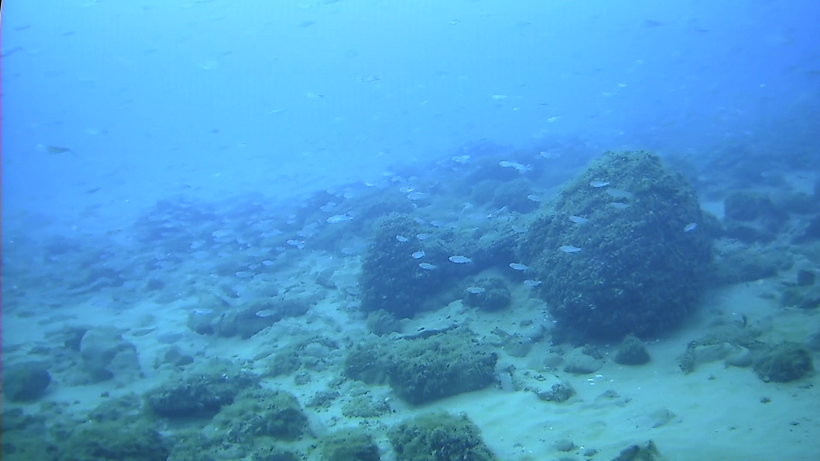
(500, 304)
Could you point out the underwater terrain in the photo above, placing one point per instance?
(465, 294)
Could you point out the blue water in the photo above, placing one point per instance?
(217, 96)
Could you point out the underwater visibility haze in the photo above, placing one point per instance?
(392, 230)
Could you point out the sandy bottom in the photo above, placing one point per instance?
(714, 413)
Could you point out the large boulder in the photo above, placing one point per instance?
(620, 251)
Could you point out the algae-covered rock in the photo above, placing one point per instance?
(26, 382)
(113, 441)
(351, 445)
(783, 363)
(426, 369)
(620, 250)
(262, 413)
(423, 369)
(439, 437)
(392, 280)
(632, 351)
(198, 395)
(489, 294)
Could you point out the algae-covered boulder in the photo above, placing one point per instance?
(423, 369)
(350, 445)
(442, 365)
(784, 363)
(113, 441)
(392, 279)
(198, 395)
(259, 413)
(439, 437)
(620, 250)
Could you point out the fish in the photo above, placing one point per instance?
(475, 290)
(578, 219)
(458, 259)
(535, 198)
(54, 150)
(549, 155)
(202, 311)
(418, 195)
(532, 283)
(418, 254)
(618, 193)
(265, 313)
(428, 266)
(401, 238)
(619, 205)
(244, 274)
(690, 227)
(339, 218)
(598, 184)
(518, 266)
(569, 249)
(423, 236)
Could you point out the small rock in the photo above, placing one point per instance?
(632, 352)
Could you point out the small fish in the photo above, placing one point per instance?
(265, 313)
(578, 219)
(419, 221)
(518, 229)
(554, 119)
(93, 190)
(518, 266)
(475, 290)
(569, 249)
(532, 283)
(418, 255)
(202, 311)
(458, 259)
(598, 184)
(54, 150)
(549, 155)
(339, 218)
(690, 227)
(296, 243)
(462, 159)
(428, 266)
(619, 205)
(535, 198)
(423, 236)
(418, 195)
(618, 193)
(401, 238)
(499, 97)
(406, 189)
(521, 168)
(244, 274)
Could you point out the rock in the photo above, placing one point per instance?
(632, 352)
(580, 363)
(564, 445)
(106, 354)
(805, 277)
(784, 363)
(25, 382)
(644, 452)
